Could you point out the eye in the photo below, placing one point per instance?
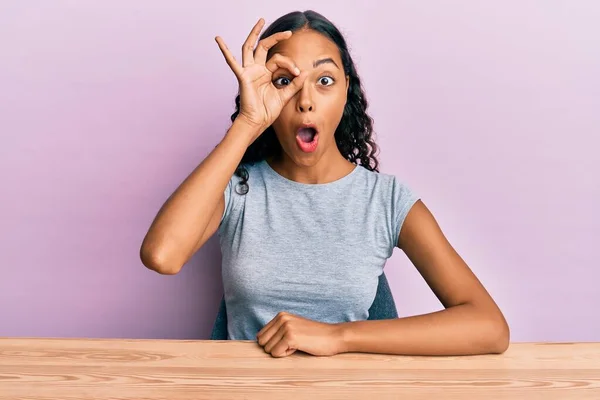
(326, 80)
(286, 81)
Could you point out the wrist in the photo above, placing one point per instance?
(342, 337)
(249, 128)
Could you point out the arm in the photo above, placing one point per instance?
(471, 322)
(193, 212)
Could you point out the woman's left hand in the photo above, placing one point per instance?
(287, 333)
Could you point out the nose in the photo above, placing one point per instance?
(305, 101)
(306, 108)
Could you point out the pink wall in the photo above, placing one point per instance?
(490, 111)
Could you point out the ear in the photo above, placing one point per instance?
(347, 83)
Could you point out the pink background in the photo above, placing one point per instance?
(491, 111)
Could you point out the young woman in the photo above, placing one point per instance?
(306, 222)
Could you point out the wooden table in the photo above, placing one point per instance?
(69, 369)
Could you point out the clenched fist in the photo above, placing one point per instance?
(286, 333)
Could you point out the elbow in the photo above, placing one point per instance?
(503, 341)
(498, 335)
(156, 260)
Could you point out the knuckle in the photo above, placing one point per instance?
(262, 44)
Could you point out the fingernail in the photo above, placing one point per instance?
(297, 71)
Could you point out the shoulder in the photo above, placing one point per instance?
(389, 185)
(395, 194)
(238, 190)
(245, 174)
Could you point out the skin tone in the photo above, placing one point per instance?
(320, 101)
(470, 323)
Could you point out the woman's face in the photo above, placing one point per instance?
(320, 103)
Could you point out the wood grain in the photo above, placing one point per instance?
(164, 369)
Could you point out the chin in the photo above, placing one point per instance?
(306, 160)
(303, 159)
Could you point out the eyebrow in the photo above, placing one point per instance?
(324, 61)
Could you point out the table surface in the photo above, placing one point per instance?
(37, 368)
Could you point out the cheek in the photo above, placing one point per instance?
(334, 108)
(288, 110)
(280, 123)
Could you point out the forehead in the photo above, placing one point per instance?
(305, 46)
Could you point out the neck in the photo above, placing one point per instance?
(329, 168)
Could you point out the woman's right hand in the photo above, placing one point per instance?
(261, 101)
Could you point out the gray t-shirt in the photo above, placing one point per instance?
(314, 250)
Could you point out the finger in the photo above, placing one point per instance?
(282, 348)
(248, 47)
(268, 331)
(262, 49)
(229, 58)
(276, 338)
(289, 352)
(287, 92)
(266, 327)
(278, 61)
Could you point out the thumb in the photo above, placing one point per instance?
(289, 352)
(290, 90)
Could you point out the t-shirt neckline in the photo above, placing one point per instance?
(287, 181)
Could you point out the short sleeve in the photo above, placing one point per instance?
(403, 198)
(227, 195)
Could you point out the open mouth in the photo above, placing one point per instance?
(307, 139)
(307, 135)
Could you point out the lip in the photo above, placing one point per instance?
(308, 148)
(305, 125)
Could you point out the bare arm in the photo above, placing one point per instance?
(191, 215)
(471, 322)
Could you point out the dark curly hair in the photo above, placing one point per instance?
(354, 133)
